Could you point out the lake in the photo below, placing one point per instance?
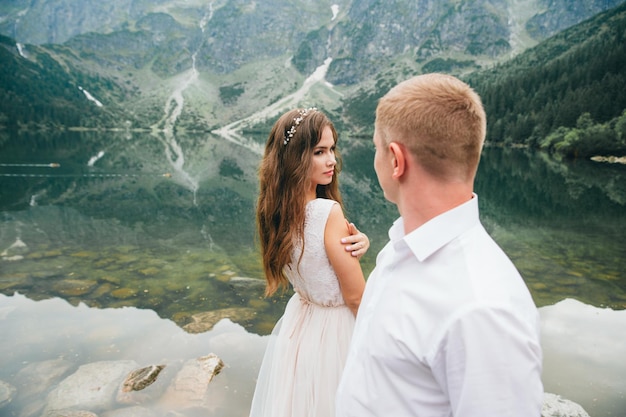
(141, 247)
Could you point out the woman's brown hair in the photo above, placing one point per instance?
(283, 180)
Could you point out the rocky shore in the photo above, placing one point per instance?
(59, 360)
(123, 389)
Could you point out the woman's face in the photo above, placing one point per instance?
(323, 160)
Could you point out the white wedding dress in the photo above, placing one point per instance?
(308, 346)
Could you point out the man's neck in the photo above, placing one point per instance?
(422, 204)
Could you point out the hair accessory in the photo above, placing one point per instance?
(296, 121)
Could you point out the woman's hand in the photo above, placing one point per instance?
(357, 243)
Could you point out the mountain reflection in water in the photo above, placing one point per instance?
(125, 227)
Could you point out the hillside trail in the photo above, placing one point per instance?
(174, 104)
(231, 132)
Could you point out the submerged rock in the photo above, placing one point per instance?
(74, 287)
(92, 387)
(69, 413)
(212, 364)
(190, 387)
(555, 406)
(141, 378)
(7, 392)
(37, 378)
(203, 322)
(134, 411)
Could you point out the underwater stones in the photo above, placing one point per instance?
(203, 322)
(258, 304)
(124, 293)
(69, 413)
(92, 387)
(540, 286)
(150, 271)
(111, 279)
(212, 364)
(245, 282)
(74, 287)
(45, 254)
(126, 258)
(41, 376)
(102, 290)
(190, 386)
(7, 392)
(555, 406)
(7, 283)
(84, 254)
(141, 378)
(134, 411)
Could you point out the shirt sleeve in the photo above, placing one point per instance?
(489, 364)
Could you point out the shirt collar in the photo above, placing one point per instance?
(438, 231)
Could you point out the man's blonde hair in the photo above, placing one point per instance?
(441, 121)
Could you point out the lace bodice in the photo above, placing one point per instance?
(314, 278)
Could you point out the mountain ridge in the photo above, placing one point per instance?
(141, 57)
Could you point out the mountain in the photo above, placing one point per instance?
(572, 84)
(199, 65)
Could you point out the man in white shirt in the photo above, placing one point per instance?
(446, 326)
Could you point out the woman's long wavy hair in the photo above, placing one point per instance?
(284, 177)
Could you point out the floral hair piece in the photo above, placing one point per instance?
(296, 121)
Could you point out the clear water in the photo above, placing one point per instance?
(110, 254)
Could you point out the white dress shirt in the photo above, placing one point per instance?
(446, 327)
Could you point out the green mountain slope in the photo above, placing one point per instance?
(164, 64)
(37, 91)
(579, 71)
(571, 84)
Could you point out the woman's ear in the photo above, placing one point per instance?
(398, 160)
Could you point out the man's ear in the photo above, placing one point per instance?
(398, 159)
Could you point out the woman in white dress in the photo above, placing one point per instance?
(301, 225)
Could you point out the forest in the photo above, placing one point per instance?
(566, 95)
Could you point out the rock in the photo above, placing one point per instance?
(203, 322)
(246, 282)
(74, 287)
(93, 386)
(7, 392)
(191, 385)
(134, 411)
(141, 378)
(38, 377)
(555, 406)
(33, 409)
(124, 293)
(212, 364)
(69, 413)
(35, 380)
(147, 387)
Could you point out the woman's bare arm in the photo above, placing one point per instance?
(346, 266)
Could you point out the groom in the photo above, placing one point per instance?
(446, 326)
